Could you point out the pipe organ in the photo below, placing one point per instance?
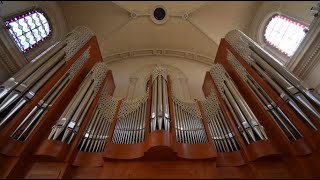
(71, 119)
(188, 121)
(22, 87)
(37, 112)
(289, 88)
(159, 107)
(247, 122)
(59, 119)
(130, 126)
(270, 106)
(96, 133)
(220, 129)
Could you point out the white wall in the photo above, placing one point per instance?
(194, 71)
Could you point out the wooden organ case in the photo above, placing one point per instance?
(60, 120)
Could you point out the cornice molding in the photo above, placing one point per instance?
(159, 52)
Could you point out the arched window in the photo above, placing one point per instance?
(284, 34)
(28, 29)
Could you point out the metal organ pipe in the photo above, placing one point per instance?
(289, 88)
(96, 133)
(271, 107)
(26, 71)
(160, 117)
(24, 85)
(251, 129)
(130, 125)
(189, 127)
(27, 89)
(71, 119)
(221, 132)
(297, 83)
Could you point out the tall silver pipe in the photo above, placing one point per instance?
(105, 134)
(154, 111)
(89, 129)
(270, 106)
(35, 115)
(30, 81)
(78, 116)
(97, 134)
(180, 125)
(214, 136)
(144, 120)
(81, 118)
(221, 134)
(166, 115)
(100, 135)
(247, 111)
(183, 120)
(239, 126)
(94, 133)
(240, 116)
(231, 134)
(71, 108)
(308, 92)
(92, 130)
(26, 90)
(27, 70)
(224, 132)
(159, 103)
(291, 89)
(136, 125)
(284, 95)
(189, 129)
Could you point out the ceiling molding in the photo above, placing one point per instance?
(134, 13)
(190, 21)
(159, 52)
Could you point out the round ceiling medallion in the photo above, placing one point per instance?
(159, 14)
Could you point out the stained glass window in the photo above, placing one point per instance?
(29, 29)
(285, 34)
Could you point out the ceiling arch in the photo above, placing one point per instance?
(117, 31)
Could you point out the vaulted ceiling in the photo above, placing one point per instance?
(194, 27)
(200, 33)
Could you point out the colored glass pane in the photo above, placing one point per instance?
(28, 29)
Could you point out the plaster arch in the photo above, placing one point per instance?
(139, 79)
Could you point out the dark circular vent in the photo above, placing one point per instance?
(159, 14)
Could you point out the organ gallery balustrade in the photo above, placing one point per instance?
(257, 120)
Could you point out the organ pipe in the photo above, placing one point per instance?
(289, 88)
(24, 85)
(189, 127)
(36, 114)
(130, 126)
(160, 119)
(71, 119)
(276, 113)
(248, 124)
